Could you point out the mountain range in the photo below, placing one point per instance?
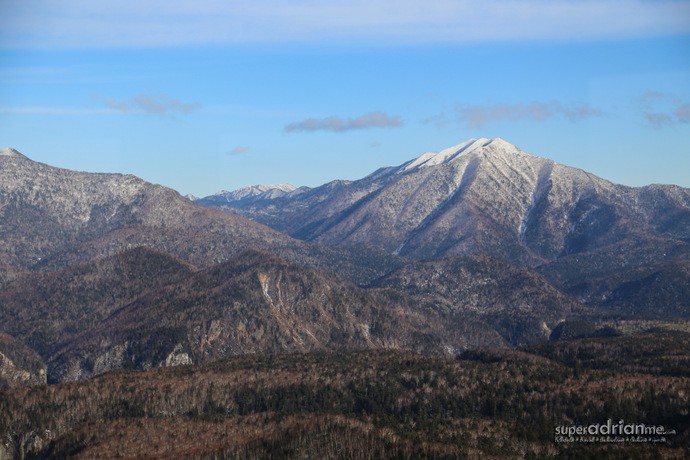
(250, 194)
(486, 196)
(52, 217)
(477, 246)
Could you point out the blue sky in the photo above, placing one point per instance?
(210, 95)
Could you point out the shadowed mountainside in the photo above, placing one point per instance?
(520, 304)
(142, 309)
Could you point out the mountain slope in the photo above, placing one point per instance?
(656, 290)
(488, 197)
(51, 217)
(519, 304)
(48, 310)
(142, 309)
(19, 365)
(464, 198)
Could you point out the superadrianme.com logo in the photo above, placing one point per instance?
(613, 432)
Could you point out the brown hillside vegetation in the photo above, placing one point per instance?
(19, 365)
(521, 305)
(498, 404)
(142, 308)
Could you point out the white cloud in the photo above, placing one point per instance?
(339, 125)
(82, 23)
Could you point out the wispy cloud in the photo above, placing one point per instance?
(682, 113)
(650, 97)
(81, 23)
(663, 110)
(658, 120)
(239, 150)
(339, 125)
(478, 116)
(152, 105)
(120, 106)
(142, 104)
(440, 120)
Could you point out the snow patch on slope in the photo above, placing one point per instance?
(10, 152)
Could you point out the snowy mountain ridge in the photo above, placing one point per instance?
(450, 154)
(250, 194)
(254, 190)
(10, 152)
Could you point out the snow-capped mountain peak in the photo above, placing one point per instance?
(482, 195)
(246, 195)
(10, 152)
(274, 190)
(494, 146)
(499, 147)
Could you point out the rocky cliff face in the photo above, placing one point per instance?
(19, 365)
